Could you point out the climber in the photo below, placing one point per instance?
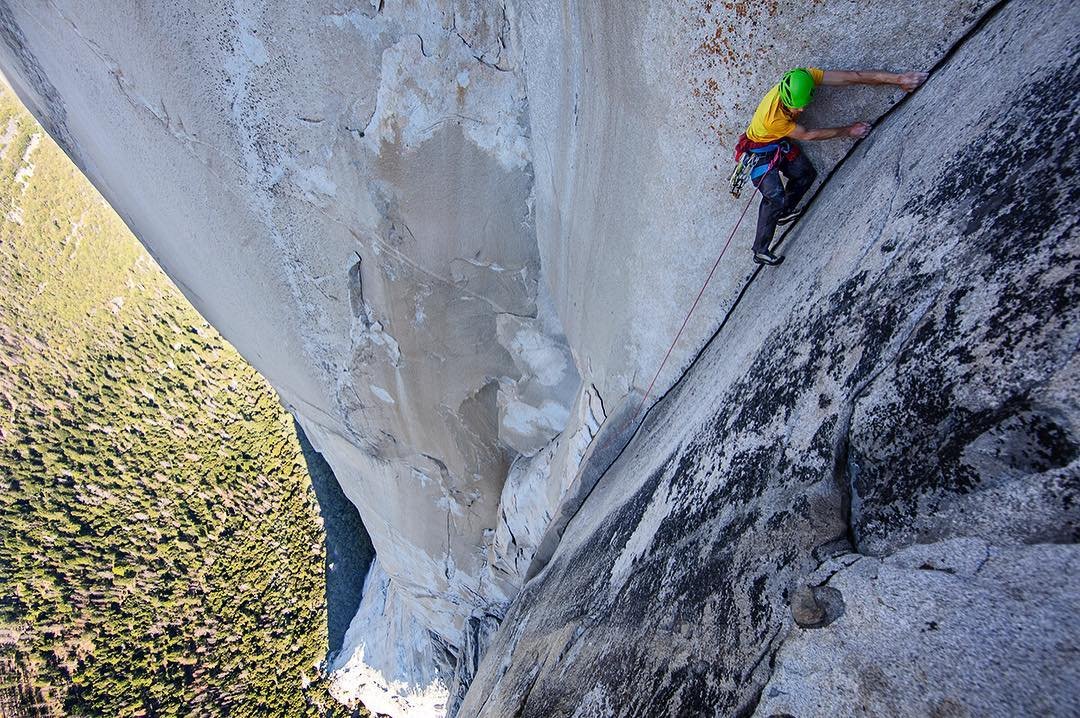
(771, 137)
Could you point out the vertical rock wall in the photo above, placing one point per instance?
(634, 109)
(862, 499)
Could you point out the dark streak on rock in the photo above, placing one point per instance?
(38, 93)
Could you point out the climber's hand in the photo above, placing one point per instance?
(859, 130)
(910, 81)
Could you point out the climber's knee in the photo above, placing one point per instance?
(773, 194)
(771, 188)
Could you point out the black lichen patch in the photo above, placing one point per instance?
(1015, 177)
(960, 414)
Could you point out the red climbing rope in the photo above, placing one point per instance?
(697, 299)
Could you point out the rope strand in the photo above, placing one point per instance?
(697, 299)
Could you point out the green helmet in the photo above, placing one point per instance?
(797, 88)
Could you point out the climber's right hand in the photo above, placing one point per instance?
(859, 130)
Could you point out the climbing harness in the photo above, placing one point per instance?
(750, 161)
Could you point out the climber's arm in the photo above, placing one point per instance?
(859, 129)
(908, 81)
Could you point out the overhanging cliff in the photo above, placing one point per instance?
(456, 235)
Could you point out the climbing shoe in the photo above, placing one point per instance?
(789, 216)
(767, 258)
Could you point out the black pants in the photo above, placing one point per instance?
(775, 199)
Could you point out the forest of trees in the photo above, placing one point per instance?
(161, 552)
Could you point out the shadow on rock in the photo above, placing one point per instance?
(349, 552)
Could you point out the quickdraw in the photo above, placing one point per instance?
(744, 168)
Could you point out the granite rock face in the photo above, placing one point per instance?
(907, 376)
(956, 628)
(458, 236)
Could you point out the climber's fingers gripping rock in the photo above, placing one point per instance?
(859, 130)
(910, 81)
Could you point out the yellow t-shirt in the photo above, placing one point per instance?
(770, 123)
